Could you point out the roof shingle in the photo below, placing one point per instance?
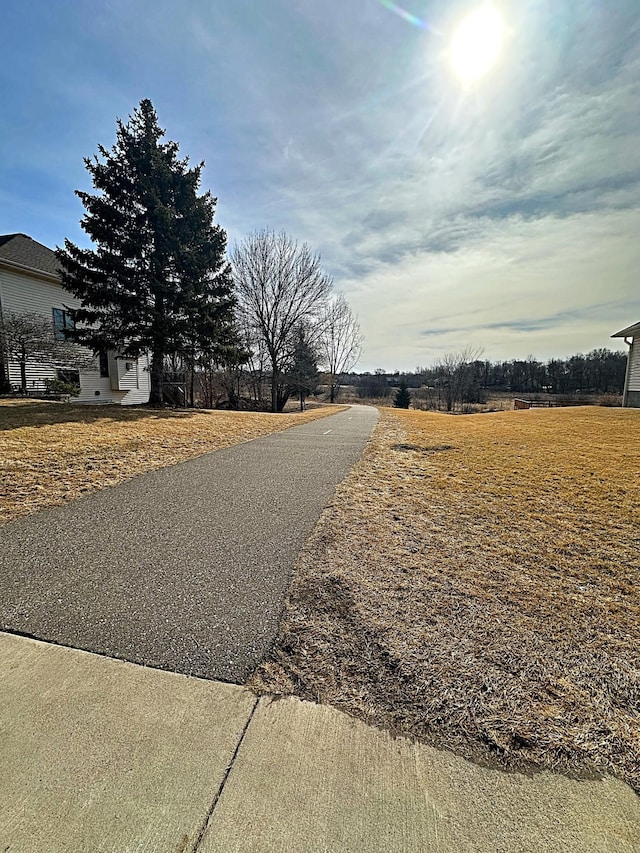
(21, 249)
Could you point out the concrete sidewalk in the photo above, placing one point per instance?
(102, 755)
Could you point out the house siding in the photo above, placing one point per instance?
(29, 292)
(634, 365)
(99, 389)
(135, 384)
(95, 388)
(22, 293)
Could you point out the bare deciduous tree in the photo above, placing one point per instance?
(30, 337)
(455, 375)
(340, 341)
(280, 286)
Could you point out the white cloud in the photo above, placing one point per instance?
(549, 286)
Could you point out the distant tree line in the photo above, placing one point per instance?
(599, 371)
(373, 385)
(464, 377)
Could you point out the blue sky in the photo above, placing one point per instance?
(503, 215)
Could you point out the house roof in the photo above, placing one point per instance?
(21, 250)
(630, 330)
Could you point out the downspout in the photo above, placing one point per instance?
(627, 374)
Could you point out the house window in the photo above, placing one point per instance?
(62, 320)
(103, 360)
(69, 375)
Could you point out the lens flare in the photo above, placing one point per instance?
(406, 16)
(477, 43)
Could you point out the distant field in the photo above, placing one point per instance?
(51, 453)
(476, 584)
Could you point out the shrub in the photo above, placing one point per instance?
(59, 386)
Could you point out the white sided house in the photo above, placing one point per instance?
(631, 394)
(30, 284)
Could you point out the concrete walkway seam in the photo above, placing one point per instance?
(209, 815)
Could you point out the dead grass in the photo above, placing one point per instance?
(51, 453)
(475, 584)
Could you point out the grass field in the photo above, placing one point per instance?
(476, 584)
(51, 453)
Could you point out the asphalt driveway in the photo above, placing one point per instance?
(184, 568)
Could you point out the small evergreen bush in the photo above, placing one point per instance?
(402, 399)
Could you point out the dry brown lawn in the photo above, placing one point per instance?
(51, 453)
(475, 584)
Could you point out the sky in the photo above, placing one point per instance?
(501, 214)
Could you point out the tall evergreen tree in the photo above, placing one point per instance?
(157, 280)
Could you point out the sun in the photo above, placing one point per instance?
(476, 43)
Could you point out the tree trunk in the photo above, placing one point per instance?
(156, 398)
(4, 377)
(332, 393)
(274, 391)
(449, 399)
(23, 376)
